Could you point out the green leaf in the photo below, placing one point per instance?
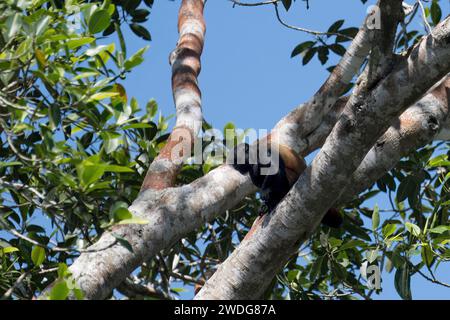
(95, 51)
(14, 24)
(338, 270)
(206, 167)
(287, 4)
(134, 220)
(78, 42)
(140, 15)
(84, 75)
(42, 25)
(111, 141)
(10, 164)
(316, 267)
(137, 126)
(102, 95)
(427, 255)
(408, 188)
(389, 265)
(8, 250)
(309, 55)
(333, 242)
(358, 231)
(403, 282)
(62, 270)
(436, 12)
(122, 214)
(60, 290)
(375, 217)
(54, 114)
(116, 206)
(115, 168)
(323, 53)
(335, 26)
(372, 255)
(352, 244)
(136, 59)
(302, 47)
(388, 229)
(292, 275)
(229, 132)
(37, 255)
(439, 161)
(149, 3)
(99, 21)
(350, 32)
(140, 31)
(440, 229)
(40, 58)
(413, 229)
(152, 108)
(78, 293)
(89, 173)
(337, 48)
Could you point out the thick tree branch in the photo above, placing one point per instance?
(172, 213)
(185, 61)
(295, 129)
(417, 126)
(138, 291)
(251, 267)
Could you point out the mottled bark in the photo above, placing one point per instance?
(171, 214)
(295, 129)
(252, 266)
(185, 61)
(174, 212)
(417, 126)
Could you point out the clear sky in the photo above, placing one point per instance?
(248, 76)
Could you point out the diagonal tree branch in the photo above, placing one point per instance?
(295, 129)
(172, 213)
(251, 267)
(417, 126)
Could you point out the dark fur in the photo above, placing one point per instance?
(275, 187)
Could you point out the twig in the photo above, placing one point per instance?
(56, 248)
(433, 279)
(18, 281)
(19, 186)
(313, 32)
(134, 290)
(275, 3)
(255, 4)
(187, 278)
(424, 18)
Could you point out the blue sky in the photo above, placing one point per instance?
(248, 76)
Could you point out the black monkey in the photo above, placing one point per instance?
(275, 186)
